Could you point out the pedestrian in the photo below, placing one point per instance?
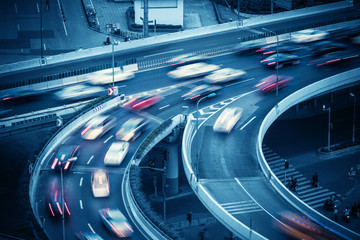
(335, 214)
(315, 180)
(346, 214)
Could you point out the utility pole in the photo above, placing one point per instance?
(41, 32)
(146, 18)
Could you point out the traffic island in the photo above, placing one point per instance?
(339, 148)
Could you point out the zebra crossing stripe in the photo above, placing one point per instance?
(313, 193)
(316, 197)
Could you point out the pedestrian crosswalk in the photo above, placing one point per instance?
(312, 196)
(241, 207)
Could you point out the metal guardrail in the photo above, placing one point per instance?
(161, 39)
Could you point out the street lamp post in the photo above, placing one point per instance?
(197, 127)
(62, 200)
(113, 64)
(353, 132)
(329, 125)
(277, 62)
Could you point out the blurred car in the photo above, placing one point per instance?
(268, 84)
(131, 129)
(116, 222)
(98, 126)
(116, 153)
(106, 76)
(334, 58)
(192, 70)
(248, 48)
(54, 203)
(323, 47)
(100, 183)
(186, 59)
(227, 119)
(284, 59)
(88, 236)
(65, 157)
(17, 93)
(302, 227)
(79, 91)
(282, 48)
(309, 35)
(201, 91)
(356, 40)
(224, 75)
(346, 33)
(140, 103)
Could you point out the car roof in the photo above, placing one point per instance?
(119, 145)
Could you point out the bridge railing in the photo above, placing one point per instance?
(214, 207)
(59, 137)
(317, 88)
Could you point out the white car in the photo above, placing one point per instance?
(116, 153)
(224, 75)
(98, 126)
(227, 119)
(79, 91)
(192, 70)
(100, 183)
(116, 222)
(106, 76)
(308, 35)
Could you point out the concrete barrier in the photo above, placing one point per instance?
(237, 227)
(328, 84)
(57, 140)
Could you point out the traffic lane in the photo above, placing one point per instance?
(229, 37)
(84, 184)
(236, 201)
(158, 79)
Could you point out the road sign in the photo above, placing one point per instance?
(110, 91)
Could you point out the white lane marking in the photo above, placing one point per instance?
(81, 206)
(81, 180)
(164, 107)
(108, 138)
(18, 27)
(247, 123)
(44, 47)
(152, 55)
(37, 6)
(62, 19)
(90, 159)
(122, 86)
(91, 228)
(16, 8)
(239, 82)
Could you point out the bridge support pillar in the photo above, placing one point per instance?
(172, 168)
